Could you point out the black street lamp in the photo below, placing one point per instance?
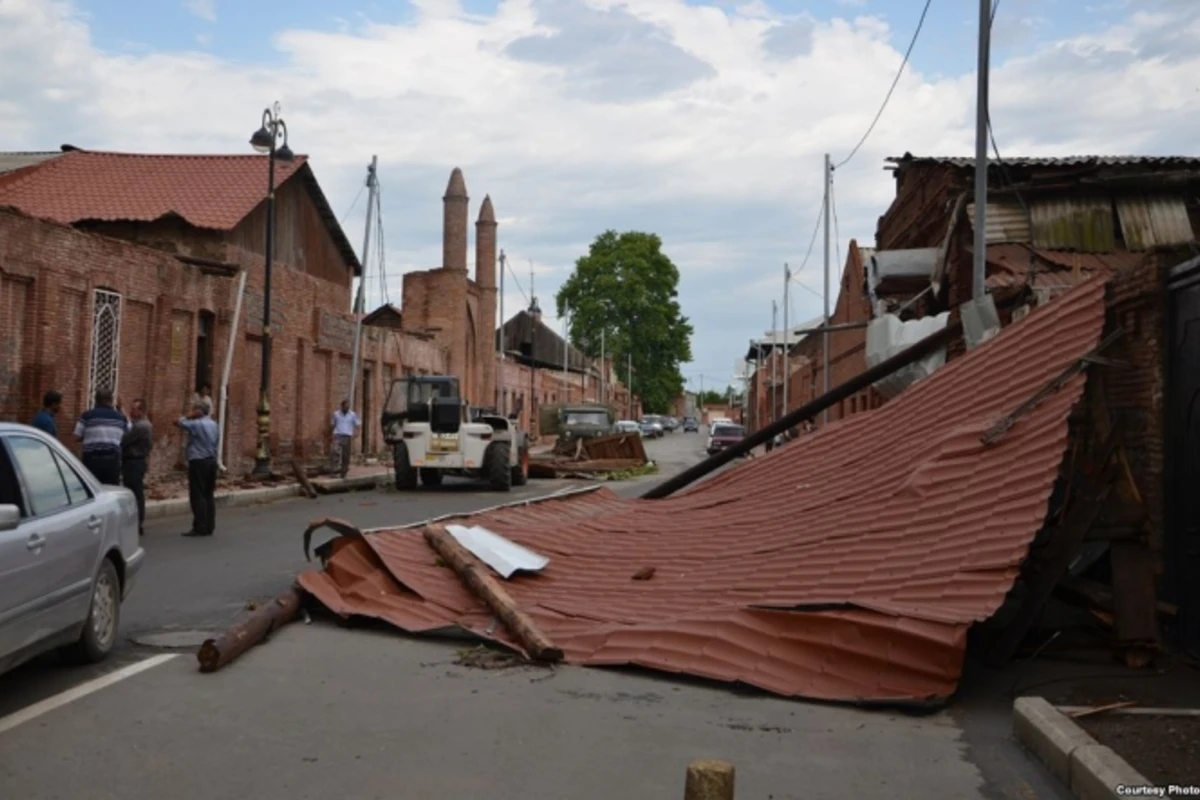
(270, 138)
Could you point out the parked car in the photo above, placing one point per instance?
(670, 424)
(690, 425)
(69, 552)
(724, 436)
(651, 428)
(627, 426)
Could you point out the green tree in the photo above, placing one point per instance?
(712, 397)
(627, 288)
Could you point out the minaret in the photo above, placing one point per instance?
(454, 223)
(485, 279)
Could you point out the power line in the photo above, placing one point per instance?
(837, 233)
(350, 210)
(895, 82)
(516, 280)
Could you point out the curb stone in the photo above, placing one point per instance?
(238, 498)
(1089, 769)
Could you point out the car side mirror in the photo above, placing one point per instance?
(10, 517)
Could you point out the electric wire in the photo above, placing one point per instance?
(895, 82)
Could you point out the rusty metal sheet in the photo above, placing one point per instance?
(1084, 224)
(626, 446)
(847, 566)
(1006, 222)
(1153, 221)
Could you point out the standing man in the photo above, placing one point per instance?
(44, 419)
(345, 422)
(202, 467)
(136, 445)
(101, 429)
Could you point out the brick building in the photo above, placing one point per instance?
(123, 270)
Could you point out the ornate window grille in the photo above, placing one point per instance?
(106, 343)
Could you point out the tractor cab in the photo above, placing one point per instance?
(432, 399)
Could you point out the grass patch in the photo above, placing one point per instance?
(632, 472)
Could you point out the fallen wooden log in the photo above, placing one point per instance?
(305, 483)
(216, 653)
(472, 572)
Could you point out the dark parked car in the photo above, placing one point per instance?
(690, 425)
(724, 436)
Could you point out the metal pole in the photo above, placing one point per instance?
(629, 385)
(774, 360)
(981, 152)
(603, 370)
(503, 401)
(566, 350)
(262, 458)
(233, 339)
(787, 337)
(360, 301)
(825, 334)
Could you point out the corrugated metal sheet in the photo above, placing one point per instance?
(1152, 221)
(1084, 224)
(1066, 161)
(847, 566)
(1006, 222)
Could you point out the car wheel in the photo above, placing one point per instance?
(406, 474)
(104, 619)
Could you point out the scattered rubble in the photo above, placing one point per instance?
(617, 456)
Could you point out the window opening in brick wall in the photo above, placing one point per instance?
(206, 323)
(106, 343)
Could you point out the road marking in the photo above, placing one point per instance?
(82, 690)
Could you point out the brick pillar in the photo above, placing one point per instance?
(454, 223)
(485, 278)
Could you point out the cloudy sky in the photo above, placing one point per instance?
(704, 122)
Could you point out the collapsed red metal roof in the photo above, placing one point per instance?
(847, 566)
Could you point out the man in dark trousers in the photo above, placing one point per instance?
(203, 436)
(44, 419)
(136, 445)
(101, 429)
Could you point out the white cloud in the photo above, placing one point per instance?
(705, 125)
(204, 9)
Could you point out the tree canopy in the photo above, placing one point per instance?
(713, 397)
(627, 288)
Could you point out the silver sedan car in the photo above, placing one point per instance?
(69, 551)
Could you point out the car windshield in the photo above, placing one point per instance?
(729, 431)
(424, 391)
(585, 418)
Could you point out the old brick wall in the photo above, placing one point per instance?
(48, 277)
(1137, 304)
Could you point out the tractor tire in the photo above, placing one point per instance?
(496, 468)
(431, 477)
(406, 473)
(520, 473)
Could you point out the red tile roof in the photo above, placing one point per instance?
(848, 565)
(1011, 265)
(215, 192)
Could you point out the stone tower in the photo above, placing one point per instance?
(485, 279)
(454, 223)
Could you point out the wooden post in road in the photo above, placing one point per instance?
(709, 780)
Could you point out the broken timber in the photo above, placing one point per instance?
(709, 780)
(216, 653)
(994, 433)
(305, 483)
(486, 588)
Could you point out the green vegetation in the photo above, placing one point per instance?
(632, 472)
(627, 288)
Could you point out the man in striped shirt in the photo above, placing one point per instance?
(100, 429)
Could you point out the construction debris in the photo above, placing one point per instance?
(216, 653)
(848, 566)
(709, 779)
(588, 458)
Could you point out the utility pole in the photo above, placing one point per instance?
(774, 357)
(758, 365)
(825, 333)
(360, 300)
(566, 350)
(787, 336)
(629, 385)
(603, 371)
(981, 151)
(502, 400)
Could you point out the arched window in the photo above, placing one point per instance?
(106, 343)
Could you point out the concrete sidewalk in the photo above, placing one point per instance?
(358, 478)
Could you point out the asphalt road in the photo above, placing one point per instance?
(321, 711)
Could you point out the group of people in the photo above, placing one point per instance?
(116, 449)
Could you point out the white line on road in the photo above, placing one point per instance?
(82, 690)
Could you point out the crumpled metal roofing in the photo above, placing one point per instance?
(848, 565)
(1054, 270)
(1065, 161)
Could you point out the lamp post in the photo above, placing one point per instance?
(271, 139)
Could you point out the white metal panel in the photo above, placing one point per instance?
(500, 554)
(1153, 221)
(887, 335)
(1006, 222)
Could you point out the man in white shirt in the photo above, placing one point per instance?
(345, 423)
